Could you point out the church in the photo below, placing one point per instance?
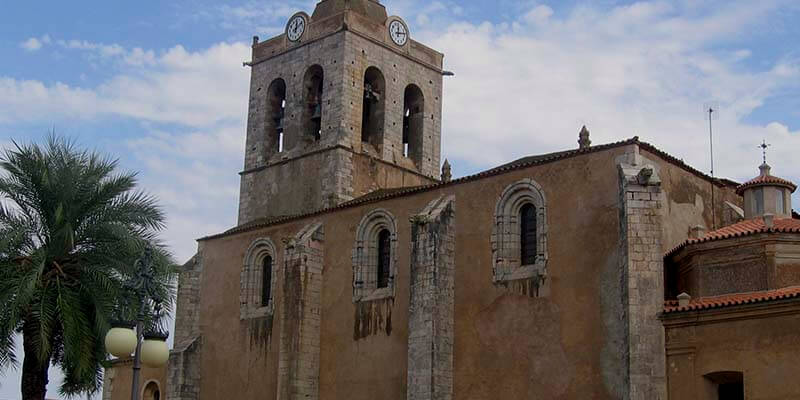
(360, 269)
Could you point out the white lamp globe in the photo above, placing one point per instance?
(121, 340)
(155, 352)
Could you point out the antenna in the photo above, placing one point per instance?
(711, 111)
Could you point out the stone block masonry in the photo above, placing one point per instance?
(183, 373)
(641, 221)
(298, 365)
(431, 309)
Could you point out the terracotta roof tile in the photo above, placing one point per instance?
(766, 179)
(744, 228)
(706, 303)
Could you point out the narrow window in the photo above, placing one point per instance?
(373, 107)
(779, 201)
(266, 280)
(527, 217)
(312, 114)
(276, 107)
(413, 120)
(384, 257)
(758, 203)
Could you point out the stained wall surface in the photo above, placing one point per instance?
(569, 342)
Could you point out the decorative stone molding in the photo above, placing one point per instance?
(507, 265)
(365, 256)
(250, 304)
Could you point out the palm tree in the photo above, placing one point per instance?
(71, 227)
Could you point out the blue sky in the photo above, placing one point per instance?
(161, 85)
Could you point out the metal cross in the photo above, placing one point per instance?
(763, 147)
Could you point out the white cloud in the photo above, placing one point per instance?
(538, 14)
(201, 96)
(526, 87)
(34, 44)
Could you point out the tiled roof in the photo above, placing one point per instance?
(514, 165)
(706, 303)
(765, 179)
(744, 228)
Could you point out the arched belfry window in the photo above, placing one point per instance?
(276, 106)
(312, 113)
(375, 257)
(257, 282)
(519, 236)
(373, 106)
(413, 121)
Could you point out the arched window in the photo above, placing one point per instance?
(312, 113)
(375, 256)
(266, 280)
(384, 257)
(373, 106)
(527, 239)
(276, 106)
(151, 391)
(258, 280)
(413, 120)
(519, 237)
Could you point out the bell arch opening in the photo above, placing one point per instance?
(276, 110)
(312, 112)
(373, 106)
(413, 122)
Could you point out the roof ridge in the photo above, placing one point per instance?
(753, 225)
(517, 164)
(732, 299)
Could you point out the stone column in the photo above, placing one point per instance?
(183, 369)
(431, 307)
(298, 364)
(643, 269)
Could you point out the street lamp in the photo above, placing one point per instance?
(148, 347)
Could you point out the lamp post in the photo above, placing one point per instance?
(148, 347)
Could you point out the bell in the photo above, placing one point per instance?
(317, 112)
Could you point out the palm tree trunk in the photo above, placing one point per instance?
(34, 371)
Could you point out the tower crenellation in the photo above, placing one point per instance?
(342, 103)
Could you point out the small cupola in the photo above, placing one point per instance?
(767, 194)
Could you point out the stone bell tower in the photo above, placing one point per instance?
(342, 103)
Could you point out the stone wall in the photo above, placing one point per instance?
(431, 308)
(183, 371)
(298, 369)
(311, 173)
(641, 218)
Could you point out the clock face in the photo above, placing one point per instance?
(398, 32)
(296, 27)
